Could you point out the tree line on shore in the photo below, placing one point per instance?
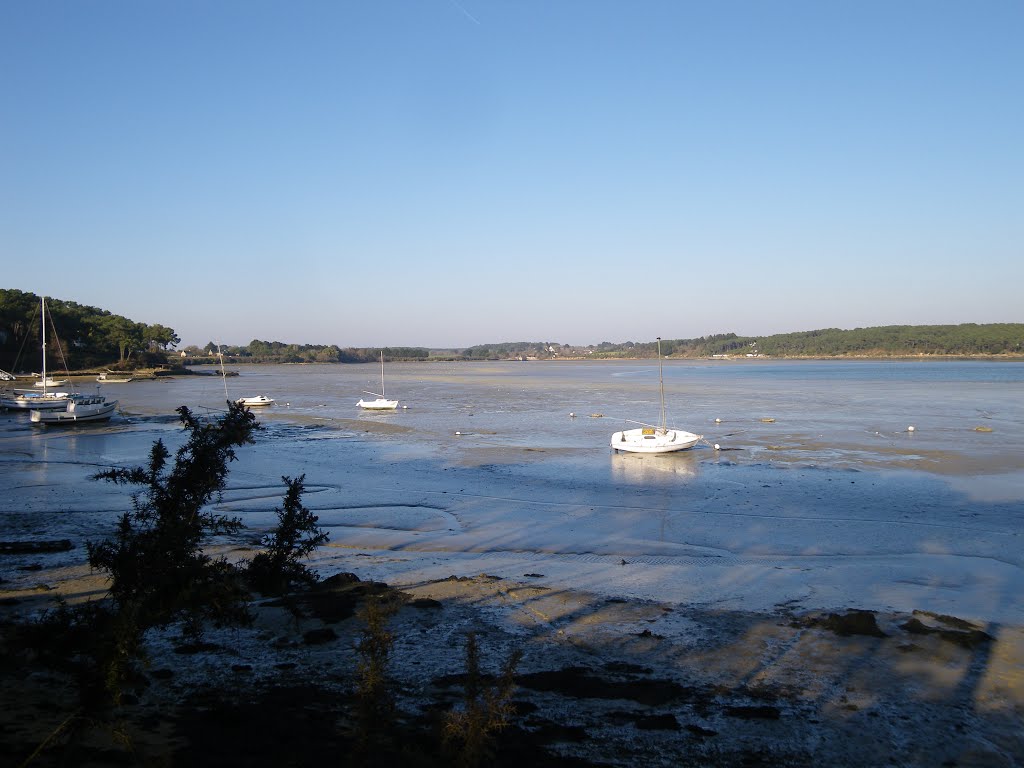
(967, 339)
(257, 351)
(87, 337)
(885, 341)
(78, 336)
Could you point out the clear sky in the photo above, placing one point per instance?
(455, 172)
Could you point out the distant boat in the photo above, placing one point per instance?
(30, 400)
(50, 382)
(255, 402)
(655, 439)
(83, 408)
(106, 378)
(381, 403)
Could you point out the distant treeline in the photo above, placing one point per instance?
(891, 340)
(257, 351)
(81, 337)
(77, 336)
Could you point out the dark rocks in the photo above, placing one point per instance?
(426, 604)
(762, 712)
(584, 683)
(970, 639)
(189, 649)
(855, 622)
(35, 547)
(319, 636)
(666, 722)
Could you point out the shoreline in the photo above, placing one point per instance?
(156, 373)
(672, 612)
(602, 682)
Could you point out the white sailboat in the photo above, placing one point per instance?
(49, 381)
(107, 378)
(24, 400)
(73, 408)
(649, 438)
(381, 403)
(256, 401)
(78, 409)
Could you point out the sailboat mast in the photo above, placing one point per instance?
(42, 321)
(382, 375)
(661, 384)
(223, 376)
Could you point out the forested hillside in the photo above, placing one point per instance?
(78, 336)
(257, 351)
(81, 336)
(891, 340)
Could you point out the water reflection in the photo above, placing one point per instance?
(650, 468)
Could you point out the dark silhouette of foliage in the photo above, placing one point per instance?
(375, 699)
(158, 569)
(279, 569)
(470, 730)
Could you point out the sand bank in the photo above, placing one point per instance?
(601, 682)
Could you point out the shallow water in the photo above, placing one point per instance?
(485, 458)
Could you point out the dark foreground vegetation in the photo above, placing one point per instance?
(161, 576)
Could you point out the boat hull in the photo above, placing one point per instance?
(380, 404)
(34, 402)
(259, 401)
(648, 440)
(77, 412)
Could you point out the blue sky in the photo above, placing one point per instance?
(442, 173)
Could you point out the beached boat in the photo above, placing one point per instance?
(23, 400)
(26, 401)
(83, 408)
(381, 403)
(649, 438)
(106, 378)
(255, 402)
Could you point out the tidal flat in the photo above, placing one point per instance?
(674, 609)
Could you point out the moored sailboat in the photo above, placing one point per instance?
(24, 400)
(83, 408)
(649, 438)
(381, 403)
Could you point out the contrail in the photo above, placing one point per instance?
(469, 15)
